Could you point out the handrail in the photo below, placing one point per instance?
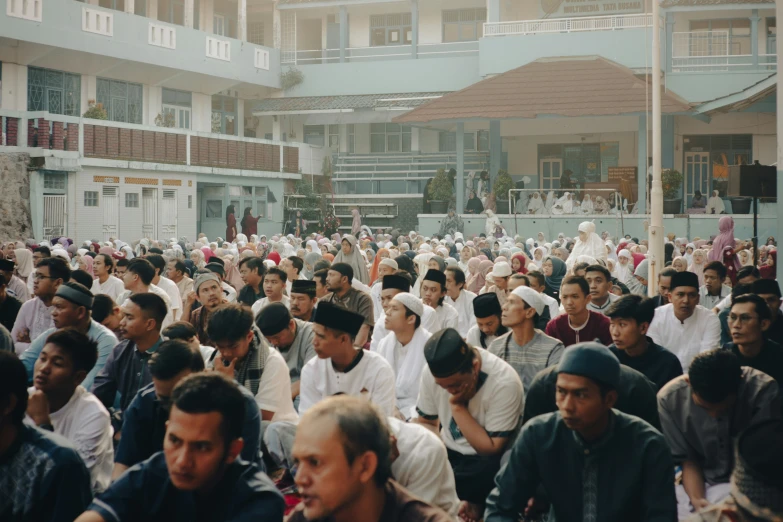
(568, 25)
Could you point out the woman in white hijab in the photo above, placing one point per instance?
(587, 205)
(349, 253)
(550, 201)
(624, 267)
(715, 204)
(492, 224)
(422, 263)
(588, 244)
(564, 205)
(535, 205)
(312, 246)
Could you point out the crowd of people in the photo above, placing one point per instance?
(391, 377)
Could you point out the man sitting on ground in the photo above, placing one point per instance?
(105, 282)
(489, 326)
(433, 293)
(206, 289)
(600, 281)
(274, 284)
(35, 316)
(251, 270)
(769, 291)
(303, 299)
(460, 298)
(749, 319)
(138, 280)
(578, 323)
(713, 291)
(343, 294)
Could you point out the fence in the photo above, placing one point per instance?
(568, 25)
(714, 51)
(387, 52)
(587, 202)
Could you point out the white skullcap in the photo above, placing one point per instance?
(389, 262)
(411, 302)
(501, 269)
(531, 297)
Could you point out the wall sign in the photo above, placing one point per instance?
(574, 8)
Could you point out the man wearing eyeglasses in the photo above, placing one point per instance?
(35, 316)
(749, 320)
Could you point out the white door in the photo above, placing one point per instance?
(551, 170)
(219, 25)
(111, 212)
(149, 206)
(168, 214)
(54, 217)
(697, 175)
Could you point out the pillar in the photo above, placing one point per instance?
(642, 164)
(188, 13)
(240, 123)
(779, 209)
(343, 128)
(414, 29)
(415, 140)
(669, 41)
(277, 128)
(667, 142)
(754, 36)
(495, 149)
(277, 37)
(242, 20)
(343, 32)
(152, 9)
(493, 11)
(460, 181)
(130, 8)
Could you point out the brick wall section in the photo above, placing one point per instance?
(43, 133)
(89, 140)
(58, 142)
(137, 143)
(72, 143)
(12, 131)
(112, 142)
(182, 149)
(31, 133)
(233, 154)
(126, 144)
(222, 146)
(160, 146)
(275, 159)
(100, 142)
(148, 151)
(212, 143)
(290, 159)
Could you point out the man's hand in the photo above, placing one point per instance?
(220, 366)
(190, 299)
(38, 408)
(463, 395)
(699, 504)
(23, 336)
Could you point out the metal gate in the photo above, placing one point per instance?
(149, 205)
(111, 212)
(168, 214)
(54, 217)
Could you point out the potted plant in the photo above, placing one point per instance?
(96, 111)
(671, 181)
(503, 183)
(440, 192)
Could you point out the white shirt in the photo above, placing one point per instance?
(699, 333)
(355, 283)
(497, 405)
(423, 466)
(113, 287)
(160, 293)
(446, 316)
(711, 301)
(428, 321)
(371, 377)
(274, 389)
(170, 287)
(229, 292)
(264, 301)
(407, 362)
(551, 303)
(377, 306)
(86, 423)
(464, 307)
(36, 317)
(474, 338)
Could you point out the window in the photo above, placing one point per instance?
(463, 25)
(54, 181)
(122, 100)
(314, 135)
(738, 30)
(447, 141)
(351, 138)
(90, 198)
(178, 104)
(390, 137)
(117, 5)
(224, 115)
(334, 137)
(132, 200)
(54, 91)
(190, 201)
(390, 29)
(255, 32)
(224, 23)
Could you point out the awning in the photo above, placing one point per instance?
(559, 87)
(741, 100)
(342, 104)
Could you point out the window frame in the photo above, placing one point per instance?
(106, 94)
(478, 15)
(90, 198)
(129, 200)
(70, 85)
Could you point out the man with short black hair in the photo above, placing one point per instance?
(15, 286)
(105, 282)
(433, 293)
(251, 270)
(769, 291)
(120, 267)
(42, 477)
(71, 308)
(538, 283)
(198, 475)
(9, 306)
(713, 291)
(489, 325)
(207, 290)
(460, 298)
(664, 287)
(600, 281)
(292, 337)
(578, 323)
(144, 422)
(167, 285)
(35, 316)
(321, 289)
(702, 413)
(59, 403)
(184, 331)
(106, 312)
(302, 299)
(392, 285)
(138, 280)
(746, 275)
(630, 317)
(343, 294)
(293, 266)
(725, 332)
(274, 283)
(176, 271)
(749, 320)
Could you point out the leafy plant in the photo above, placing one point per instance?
(291, 78)
(309, 203)
(441, 188)
(503, 183)
(95, 111)
(671, 181)
(165, 119)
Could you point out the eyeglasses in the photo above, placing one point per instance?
(742, 319)
(38, 277)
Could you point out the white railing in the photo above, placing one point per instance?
(161, 35)
(568, 25)
(97, 21)
(386, 52)
(25, 9)
(698, 51)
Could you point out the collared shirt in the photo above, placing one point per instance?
(264, 301)
(496, 406)
(86, 424)
(105, 339)
(42, 477)
(596, 327)
(247, 296)
(464, 307)
(185, 286)
(698, 333)
(175, 300)
(113, 287)
(657, 363)
(540, 352)
(125, 373)
(407, 362)
(625, 475)
(429, 321)
(446, 316)
(602, 309)
(144, 426)
(711, 301)
(36, 318)
(694, 435)
(356, 301)
(145, 492)
(301, 350)
(17, 288)
(769, 360)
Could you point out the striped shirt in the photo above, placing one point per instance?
(541, 352)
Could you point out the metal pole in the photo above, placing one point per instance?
(755, 231)
(779, 209)
(656, 194)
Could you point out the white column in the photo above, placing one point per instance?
(130, 7)
(242, 20)
(779, 100)
(240, 118)
(152, 9)
(415, 140)
(656, 230)
(277, 36)
(343, 138)
(188, 13)
(277, 128)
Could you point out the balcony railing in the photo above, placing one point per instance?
(568, 25)
(387, 52)
(100, 139)
(702, 51)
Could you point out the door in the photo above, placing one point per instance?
(551, 170)
(219, 25)
(54, 217)
(697, 175)
(111, 212)
(333, 37)
(168, 214)
(149, 206)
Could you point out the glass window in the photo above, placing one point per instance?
(224, 114)
(132, 200)
(214, 208)
(261, 209)
(122, 100)
(351, 138)
(390, 137)
(463, 25)
(314, 135)
(190, 201)
(234, 191)
(738, 30)
(175, 97)
(255, 32)
(90, 198)
(54, 181)
(117, 5)
(390, 29)
(54, 91)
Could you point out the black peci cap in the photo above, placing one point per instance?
(338, 318)
(486, 305)
(447, 353)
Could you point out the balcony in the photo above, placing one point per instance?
(87, 39)
(93, 142)
(620, 38)
(384, 53)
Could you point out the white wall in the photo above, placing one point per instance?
(13, 96)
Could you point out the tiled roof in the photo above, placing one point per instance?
(571, 87)
(325, 103)
(675, 3)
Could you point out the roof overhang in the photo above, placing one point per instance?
(741, 100)
(386, 103)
